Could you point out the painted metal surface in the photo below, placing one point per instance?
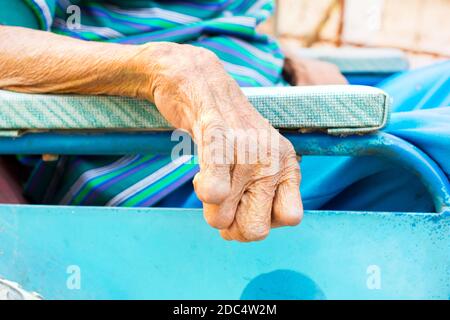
(169, 253)
(13, 291)
(121, 253)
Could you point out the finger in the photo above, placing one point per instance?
(212, 184)
(233, 233)
(253, 216)
(287, 205)
(219, 216)
(215, 146)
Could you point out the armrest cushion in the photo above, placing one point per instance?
(334, 109)
(360, 60)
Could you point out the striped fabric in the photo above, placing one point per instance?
(226, 27)
(136, 180)
(44, 10)
(223, 26)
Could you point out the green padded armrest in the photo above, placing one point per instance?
(360, 60)
(334, 109)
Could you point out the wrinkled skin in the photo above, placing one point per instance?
(242, 200)
(193, 92)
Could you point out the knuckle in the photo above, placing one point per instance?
(212, 185)
(215, 144)
(292, 175)
(255, 231)
(204, 55)
(294, 219)
(187, 56)
(226, 235)
(216, 222)
(291, 164)
(286, 147)
(205, 195)
(197, 56)
(213, 126)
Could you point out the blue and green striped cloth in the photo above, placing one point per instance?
(226, 27)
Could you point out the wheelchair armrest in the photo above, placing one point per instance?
(331, 109)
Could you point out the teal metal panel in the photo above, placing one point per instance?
(172, 253)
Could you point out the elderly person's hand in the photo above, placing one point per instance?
(255, 186)
(190, 87)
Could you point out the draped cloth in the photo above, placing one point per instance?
(420, 116)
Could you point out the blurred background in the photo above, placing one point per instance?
(421, 28)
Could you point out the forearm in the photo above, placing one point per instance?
(161, 72)
(36, 61)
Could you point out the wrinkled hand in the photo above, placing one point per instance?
(241, 196)
(190, 87)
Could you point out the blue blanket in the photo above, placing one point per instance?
(420, 115)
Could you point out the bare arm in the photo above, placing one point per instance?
(35, 61)
(193, 92)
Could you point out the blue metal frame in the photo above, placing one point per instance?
(115, 143)
(367, 79)
(388, 147)
(153, 253)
